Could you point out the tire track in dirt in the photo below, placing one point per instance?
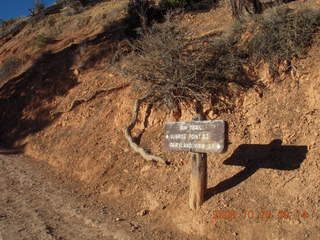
(35, 206)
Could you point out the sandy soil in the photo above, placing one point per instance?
(68, 110)
(36, 203)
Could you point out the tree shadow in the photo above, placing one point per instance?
(25, 100)
(11, 151)
(256, 156)
(202, 6)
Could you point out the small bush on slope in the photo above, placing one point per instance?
(42, 40)
(171, 69)
(282, 34)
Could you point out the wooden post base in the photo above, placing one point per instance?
(198, 183)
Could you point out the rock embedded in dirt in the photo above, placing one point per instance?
(143, 213)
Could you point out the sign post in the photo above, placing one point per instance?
(199, 177)
(199, 137)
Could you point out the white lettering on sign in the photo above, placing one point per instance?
(195, 127)
(190, 136)
(204, 146)
(177, 136)
(183, 127)
(191, 127)
(198, 136)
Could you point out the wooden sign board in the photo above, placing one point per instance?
(195, 136)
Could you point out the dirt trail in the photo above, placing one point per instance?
(36, 205)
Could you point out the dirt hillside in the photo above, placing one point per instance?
(64, 104)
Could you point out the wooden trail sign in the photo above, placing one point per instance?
(198, 137)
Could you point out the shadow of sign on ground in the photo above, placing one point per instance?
(256, 156)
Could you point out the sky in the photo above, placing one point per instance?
(18, 8)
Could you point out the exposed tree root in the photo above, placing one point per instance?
(127, 132)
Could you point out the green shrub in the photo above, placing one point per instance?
(283, 34)
(42, 40)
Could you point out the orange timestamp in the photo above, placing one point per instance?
(260, 214)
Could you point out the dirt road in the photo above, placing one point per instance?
(36, 205)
